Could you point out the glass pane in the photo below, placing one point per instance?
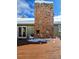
(19, 31)
(24, 31)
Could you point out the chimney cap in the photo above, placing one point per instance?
(48, 2)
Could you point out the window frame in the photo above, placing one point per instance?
(21, 31)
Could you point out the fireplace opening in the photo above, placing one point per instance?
(37, 31)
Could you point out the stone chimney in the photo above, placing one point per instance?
(44, 25)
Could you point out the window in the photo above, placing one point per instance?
(22, 32)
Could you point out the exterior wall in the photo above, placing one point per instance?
(44, 20)
(57, 30)
(30, 29)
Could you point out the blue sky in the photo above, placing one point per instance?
(25, 8)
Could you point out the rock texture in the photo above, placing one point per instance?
(44, 20)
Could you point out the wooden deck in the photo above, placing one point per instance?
(50, 50)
